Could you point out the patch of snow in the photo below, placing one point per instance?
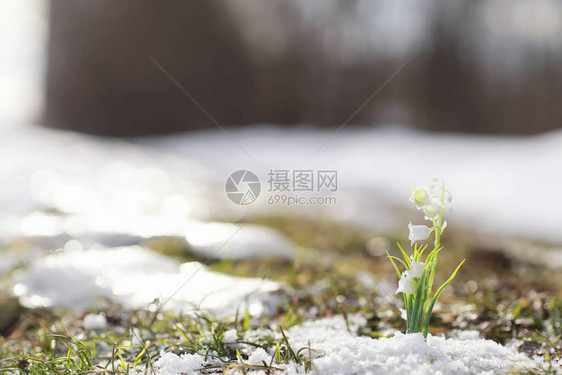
(10, 259)
(171, 364)
(337, 351)
(493, 179)
(258, 357)
(44, 168)
(94, 321)
(183, 175)
(136, 277)
(208, 239)
(465, 335)
(345, 353)
(252, 241)
(411, 354)
(230, 336)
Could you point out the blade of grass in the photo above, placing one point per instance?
(405, 255)
(400, 260)
(289, 346)
(394, 264)
(437, 294)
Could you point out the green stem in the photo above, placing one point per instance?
(438, 230)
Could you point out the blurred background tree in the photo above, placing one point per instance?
(477, 66)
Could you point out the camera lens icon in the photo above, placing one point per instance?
(243, 187)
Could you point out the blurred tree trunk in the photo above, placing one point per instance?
(101, 81)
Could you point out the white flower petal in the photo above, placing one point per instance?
(406, 286)
(416, 269)
(421, 195)
(417, 233)
(432, 209)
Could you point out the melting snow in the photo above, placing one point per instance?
(136, 277)
(94, 321)
(209, 240)
(503, 184)
(335, 351)
(252, 241)
(345, 353)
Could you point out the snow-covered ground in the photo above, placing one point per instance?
(506, 185)
(137, 277)
(335, 350)
(71, 193)
(212, 240)
(501, 184)
(60, 187)
(84, 205)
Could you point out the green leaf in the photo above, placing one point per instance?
(418, 303)
(289, 346)
(246, 324)
(406, 257)
(421, 251)
(394, 264)
(437, 294)
(433, 254)
(277, 354)
(400, 260)
(408, 306)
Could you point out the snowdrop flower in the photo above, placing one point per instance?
(418, 233)
(432, 209)
(406, 284)
(438, 192)
(416, 269)
(420, 196)
(435, 201)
